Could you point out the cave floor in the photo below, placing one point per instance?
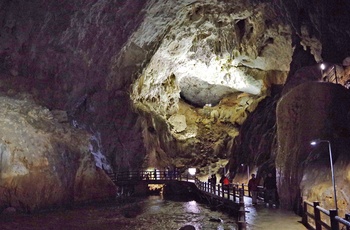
(261, 217)
(170, 214)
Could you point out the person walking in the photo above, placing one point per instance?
(213, 182)
(224, 182)
(270, 189)
(253, 188)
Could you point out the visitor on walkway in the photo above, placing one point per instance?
(270, 190)
(224, 182)
(213, 182)
(155, 174)
(253, 188)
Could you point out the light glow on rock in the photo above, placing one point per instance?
(95, 149)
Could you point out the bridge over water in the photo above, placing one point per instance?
(230, 197)
(233, 198)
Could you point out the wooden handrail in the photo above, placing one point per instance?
(343, 221)
(217, 191)
(232, 191)
(334, 219)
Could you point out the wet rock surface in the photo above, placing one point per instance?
(155, 83)
(300, 163)
(43, 162)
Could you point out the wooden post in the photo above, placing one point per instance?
(222, 191)
(334, 223)
(317, 216)
(241, 221)
(347, 217)
(241, 195)
(228, 192)
(335, 74)
(243, 188)
(234, 193)
(241, 225)
(304, 218)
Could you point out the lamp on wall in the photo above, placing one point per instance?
(322, 67)
(192, 171)
(248, 173)
(315, 142)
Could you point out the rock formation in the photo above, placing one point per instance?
(138, 84)
(309, 112)
(215, 62)
(44, 161)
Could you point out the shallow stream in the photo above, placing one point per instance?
(150, 213)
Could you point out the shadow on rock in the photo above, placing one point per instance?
(188, 227)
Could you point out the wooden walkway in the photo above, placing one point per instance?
(231, 197)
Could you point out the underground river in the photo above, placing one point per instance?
(149, 213)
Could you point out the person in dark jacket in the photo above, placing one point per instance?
(253, 188)
(213, 182)
(270, 189)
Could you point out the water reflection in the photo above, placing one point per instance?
(151, 213)
(191, 207)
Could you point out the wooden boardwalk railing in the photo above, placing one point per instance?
(317, 217)
(163, 176)
(231, 196)
(130, 177)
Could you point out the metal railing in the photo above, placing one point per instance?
(320, 218)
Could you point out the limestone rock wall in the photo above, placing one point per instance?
(308, 112)
(45, 163)
(61, 53)
(82, 56)
(153, 83)
(322, 27)
(320, 33)
(213, 64)
(255, 144)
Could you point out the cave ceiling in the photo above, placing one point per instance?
(217, 60)
(192, 70)
(128, 85)
(212, 50)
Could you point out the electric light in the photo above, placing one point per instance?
(322, 66)
(315, 142)
(192, 171)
